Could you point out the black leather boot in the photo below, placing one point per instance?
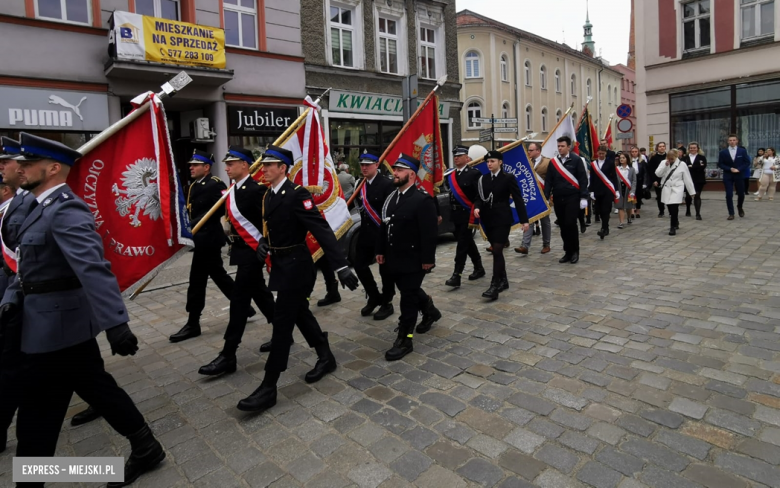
(479, 271)
(454, 280)
(384, 311)
(85, 416)
(191, 329)
(503, 284)
(403, 343)
(145, 454)
(431, 314)
(263, 398)
(492, 292)
(374, 300)
(223, 364)
(332, 295)
(326, 362)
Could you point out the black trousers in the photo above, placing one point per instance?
(413, 298)
(674, 213)
(10, 387)
(49, 382)
(696, 199)
(327, 272)
(250, 285)
(658, 199)
(567, 210)
(466, 246)
(603, 208)
(365, 255)
(292, 307)
(206, 263)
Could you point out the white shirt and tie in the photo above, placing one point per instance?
(733, 152)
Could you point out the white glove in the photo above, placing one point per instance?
(583, 203)
(644, 186)
(592, 196)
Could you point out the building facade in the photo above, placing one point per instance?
(707, 69)
(627, 97)
(363, 50)
(63, 63)
(511, 73)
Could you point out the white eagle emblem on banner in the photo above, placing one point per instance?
(140, 192)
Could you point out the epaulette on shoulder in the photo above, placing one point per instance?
(296, 187)
(215, 178)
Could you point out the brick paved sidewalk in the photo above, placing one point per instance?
(654, 362)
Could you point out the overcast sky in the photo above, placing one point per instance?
(550, 18)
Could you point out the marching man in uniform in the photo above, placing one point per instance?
(205, 192)
(463, 181)
(372, 196)
(289, 213)
(66, 295)
(407, 246)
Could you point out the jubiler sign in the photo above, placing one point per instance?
(140, 38)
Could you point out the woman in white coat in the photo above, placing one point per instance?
(675, 179)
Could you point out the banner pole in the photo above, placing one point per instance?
(506, 148)
(439, 83)
(609, 124)
(558, 124)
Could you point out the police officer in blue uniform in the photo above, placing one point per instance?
(205, 191)
(407, 246)
(370, 199)
(289, 213)
(67, 295)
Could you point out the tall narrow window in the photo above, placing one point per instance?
(388, 46)
(474, 111)
(164, 9)
(574, 85)
(472, 65)
(617, 100)
(557, 81)
(504, 68)
(544, 120)
(543, 77)
(609, 92)
(527, 73)
(558, 116)
(342, 33)
(240, 23)
(529, 118)
(696, 25)
(505, 110)
(427, 53)
(758, 18)
(75, 11)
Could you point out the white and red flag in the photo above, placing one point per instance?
(130, 184)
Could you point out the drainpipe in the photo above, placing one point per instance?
(517, 91)
(599, 82)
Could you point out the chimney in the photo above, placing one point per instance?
(632, 41)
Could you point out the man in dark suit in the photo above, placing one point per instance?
(463, 181)
(370, 199)
(658, 158)
(407, 245)
(492, 207)
(567, 183)
(205, 191)
(289, 213)
(244, 205)
(68, 296)
(734, 161)
(603, 185)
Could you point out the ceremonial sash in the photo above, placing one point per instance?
(605, 180)
(539, 179)
(460, 196)
(624, 180)
(565, 173)
(372, 214)
(244, 227)
(8, 254)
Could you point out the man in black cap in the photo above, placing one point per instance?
(407, 246)
(289, 213)
(244, 205)
(463, 180)
(205, 191)
(370, 199)
(62, 262)
(493, 209)
(567, 183)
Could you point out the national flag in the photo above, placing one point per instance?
(565, 127)
(585, 136)
(608, 134)
(131, 186)
(422, 140)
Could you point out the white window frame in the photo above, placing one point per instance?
(432, 17)
(573, 87)
(527, 73)
(544, 119)
(504, 64)
(158, 8)
(64, 13)
(469, 61)
(241, 11)
(589, 87)
(505, 110)
(529, 118)
(469, 108)
(543, 77)
(695, 19)
(357, 32)
(557, 81)
(398, 37)
(756, 6)
(558, 115)
(609, 94)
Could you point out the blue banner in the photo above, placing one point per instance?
(516, 163)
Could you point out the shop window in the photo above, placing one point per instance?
(388, 45)
(696, 25)
(72, 11)
(474, 111)
(240, 23)
(472, 65)
(504, 68)
(544, 120)
(343, 23)
(529, 118)
(758, 18)
(527, 73)
(543, 77)
(164, 9)
(428, 51)
(557, 81)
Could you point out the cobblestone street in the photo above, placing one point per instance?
(653, 362)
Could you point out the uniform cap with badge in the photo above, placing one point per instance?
(495, 155)
(276, 154)
(201, 157)
(407, 162)
(34, 148)
(11, 148)
(460, 151)
(238, 153)
(369, 157)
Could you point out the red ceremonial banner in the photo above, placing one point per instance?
(130, 184)
(422, 140)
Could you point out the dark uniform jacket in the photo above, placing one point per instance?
(202, 197)
(288, 215)
(377, 192)
(467, 181)
(497, 212)
(58, 243)
(13, 218)
(249, 200)
(597, 186)
(652, 165)
(697, 167)
(557, 185)
(409, 232)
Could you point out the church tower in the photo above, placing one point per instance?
(588, 46)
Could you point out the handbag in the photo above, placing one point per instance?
(646, 194)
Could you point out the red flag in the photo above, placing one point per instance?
(422, 140)
(594, 134)
(608, 135)
(130, 184)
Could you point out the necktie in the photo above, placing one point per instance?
(32, 206)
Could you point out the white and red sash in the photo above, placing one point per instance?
(9, 255)
(372, 214)
(243, 226)
(565, 173)
(624, 180)
(605, 180)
